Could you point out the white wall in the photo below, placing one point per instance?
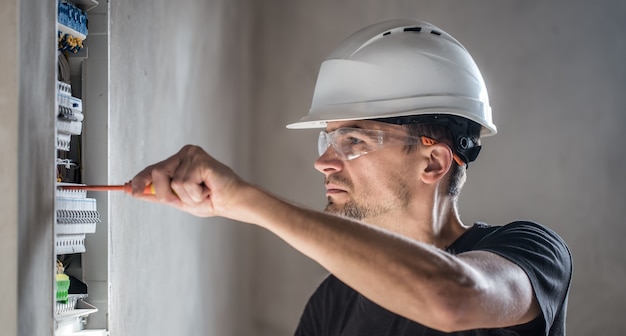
(554, 73)
(178, 74)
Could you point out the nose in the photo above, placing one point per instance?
(328, 163)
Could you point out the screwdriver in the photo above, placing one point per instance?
(126, 187)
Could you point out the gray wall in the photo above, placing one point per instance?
(228, 75)
(178, 75)
(9, 151)
(554, 73)
(36, 163)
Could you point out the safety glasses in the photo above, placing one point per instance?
(350, 143)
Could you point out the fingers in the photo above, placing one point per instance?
(140, 181)
(178, 181)
(160, 176)
(188, 181)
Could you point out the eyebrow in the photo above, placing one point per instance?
(351, 125)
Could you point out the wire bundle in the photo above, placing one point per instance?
(69, 43)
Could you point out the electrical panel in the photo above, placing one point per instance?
(76, 213)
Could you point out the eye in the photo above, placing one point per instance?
(354, 141)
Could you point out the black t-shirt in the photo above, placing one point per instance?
(337, 310)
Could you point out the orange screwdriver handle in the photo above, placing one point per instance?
(148, 190)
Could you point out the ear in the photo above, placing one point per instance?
(439, 159)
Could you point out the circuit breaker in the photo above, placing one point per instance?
(76, 213)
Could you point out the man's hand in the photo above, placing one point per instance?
(190, 180)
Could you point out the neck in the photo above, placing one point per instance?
(446, 225)
(433, 220)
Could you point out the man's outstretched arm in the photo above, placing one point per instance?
(412, 279)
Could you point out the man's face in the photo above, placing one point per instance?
(380, 183)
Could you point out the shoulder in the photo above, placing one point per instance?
(544, 257)
(483, 236)
(537, 249)
(523, 242)
(521, 235)
(528, 227)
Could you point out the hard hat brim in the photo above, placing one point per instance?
(320, 116)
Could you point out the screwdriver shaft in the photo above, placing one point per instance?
(126, 187)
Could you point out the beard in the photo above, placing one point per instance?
(370, 206)
(351, 209)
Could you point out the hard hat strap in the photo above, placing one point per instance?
(465, 133)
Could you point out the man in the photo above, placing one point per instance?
(403, 106)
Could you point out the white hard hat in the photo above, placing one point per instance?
(399, 68)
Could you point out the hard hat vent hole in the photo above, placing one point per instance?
(434, 32)
(387, 33)
(413, 29)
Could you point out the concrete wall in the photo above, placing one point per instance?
(9, 139)
(228, 75)
(36, 166)
(178, 74)
(554, 73)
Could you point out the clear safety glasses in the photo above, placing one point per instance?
(350, 143)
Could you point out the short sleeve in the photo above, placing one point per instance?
(545, 258)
